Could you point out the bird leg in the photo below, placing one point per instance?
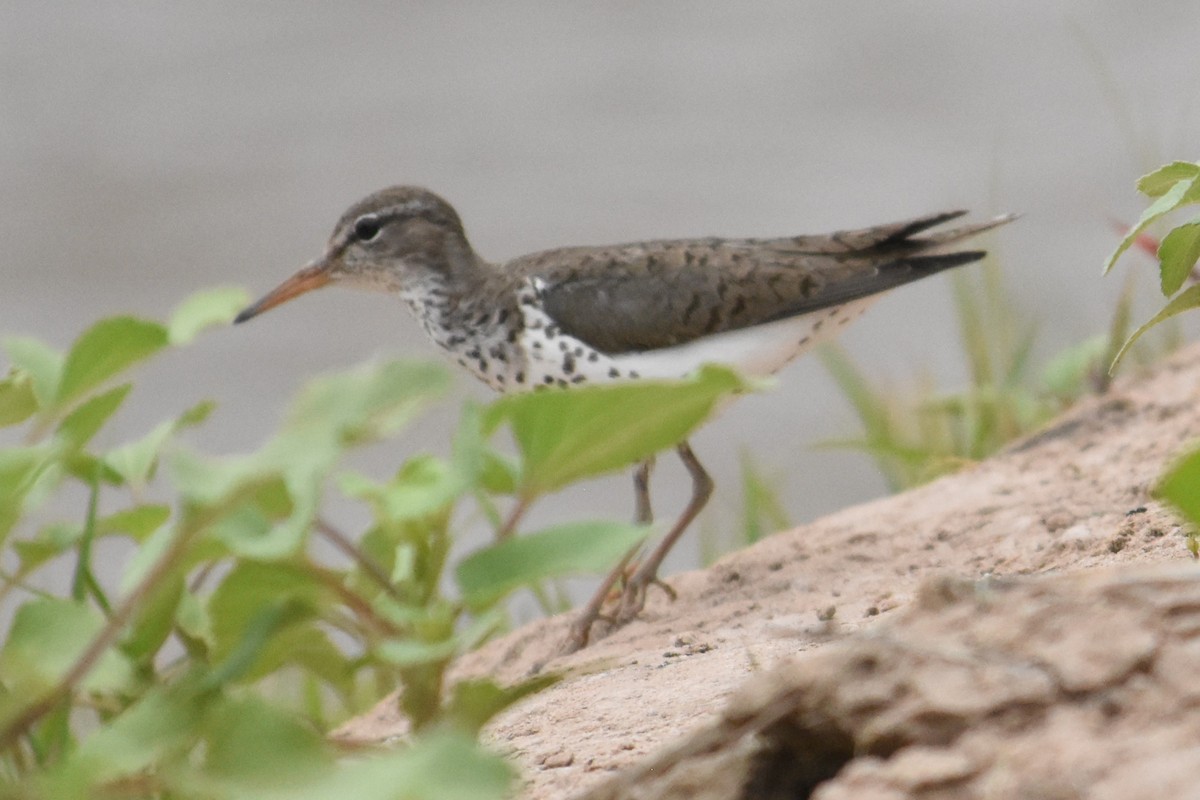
(577, 637)
(634, 596)
(643, 514)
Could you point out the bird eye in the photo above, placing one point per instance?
(366, 227)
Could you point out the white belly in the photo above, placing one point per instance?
(759, 351)
(754, 352)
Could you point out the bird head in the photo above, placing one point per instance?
(397, 240)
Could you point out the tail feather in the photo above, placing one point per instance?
(935, 242)
(897, 236)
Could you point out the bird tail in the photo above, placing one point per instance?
(939, 242)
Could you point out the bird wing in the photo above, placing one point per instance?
(650, 295)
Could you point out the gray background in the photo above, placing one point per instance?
(148, 150)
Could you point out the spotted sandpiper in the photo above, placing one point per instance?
(656, 309)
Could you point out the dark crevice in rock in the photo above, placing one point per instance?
(795, 757)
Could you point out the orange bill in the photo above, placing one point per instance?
(307, 279)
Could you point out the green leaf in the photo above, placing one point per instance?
(869, 404)
(1181, 486)
(1178, 254)
(211, 481)
(136, 461)
(47, 637)
(487, 575)
(252, 587)
(1161, 181)
(474, 702)
(194, 624)
(409, 653)
(22, 469)
(307, 646)
(205, 309)
(161, 724)
(500, 475)
(251, 656)
(85, 421)
(762, 510)
(251, 745)
(51, 541)
(17, 399)
(1188, 299)
(1168, 202)
(86, 467)
(41, 362)
(153, 621)
(1066, 373)
(444, 766)
(365, 404)
(267, 524)
(425, 485)
(137, 522)
(106, 349)
(566, 435)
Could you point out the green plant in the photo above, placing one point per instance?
(761, 513)
(1172, 187)
(229, 645)
(1180, 487)
(917, 435)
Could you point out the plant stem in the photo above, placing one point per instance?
(347, 548)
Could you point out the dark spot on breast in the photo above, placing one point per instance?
(548, 379)
(613, 372)
(519, 377)
(578, 379)
(593, 357)
(568, 364)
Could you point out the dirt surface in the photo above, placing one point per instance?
(891, 650)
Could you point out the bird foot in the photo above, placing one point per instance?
(633, 599)
(580, 633)
(630, 604)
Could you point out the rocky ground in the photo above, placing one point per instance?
(1026, 628)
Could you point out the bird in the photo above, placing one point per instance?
(656, 309)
